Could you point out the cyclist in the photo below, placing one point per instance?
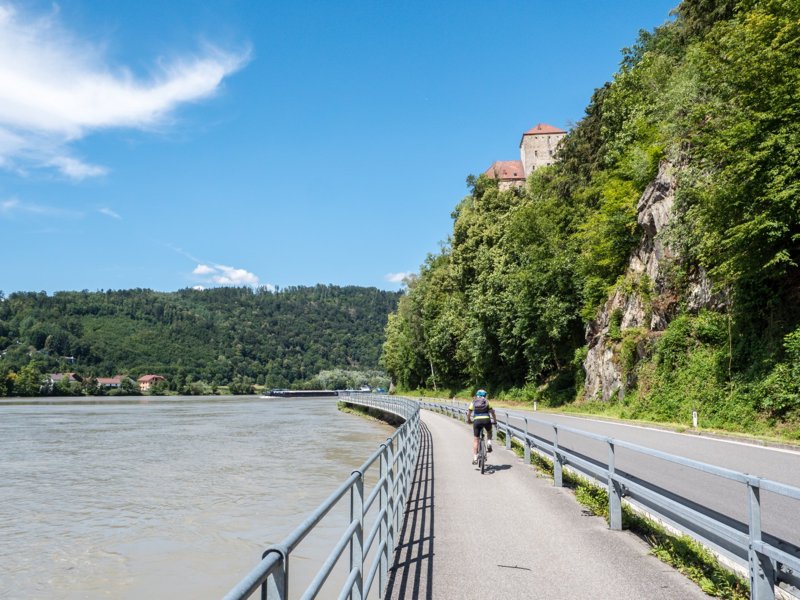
(481, 414)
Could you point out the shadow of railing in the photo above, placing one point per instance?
(411, 574)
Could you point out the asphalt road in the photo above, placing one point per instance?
(510, 534)
(780, 515)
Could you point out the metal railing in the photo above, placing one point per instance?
(395, 460)
(770, 561)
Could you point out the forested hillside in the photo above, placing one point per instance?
(220, 336)
(658, 256)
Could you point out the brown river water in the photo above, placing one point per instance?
(166, 497)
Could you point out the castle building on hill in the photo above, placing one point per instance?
(510, 173)
(537, 148)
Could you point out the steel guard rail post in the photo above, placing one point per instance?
(769, 562)
(396, 460)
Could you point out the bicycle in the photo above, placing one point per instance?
(483, 450)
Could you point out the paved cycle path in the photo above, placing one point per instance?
(510, 534)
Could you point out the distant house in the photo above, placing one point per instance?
(110, 382)
(147, 381)
(59, 377)
(54, 379)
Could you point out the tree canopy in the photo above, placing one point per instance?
(220, 336)
(504, 304)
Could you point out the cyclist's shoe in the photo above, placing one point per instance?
(475, 460)
(489, 446)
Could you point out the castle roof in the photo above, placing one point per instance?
(543, 129)
(506, 169)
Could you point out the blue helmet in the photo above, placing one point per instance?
(481, 393)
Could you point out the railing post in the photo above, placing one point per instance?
(558, 464)
(762, 568)
(276, 587)
(508, 435)
(527, 444)
(614, 493)
(357, 542)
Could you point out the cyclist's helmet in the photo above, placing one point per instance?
(481, 393)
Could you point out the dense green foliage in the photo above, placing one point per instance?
(198, 339)
(715, 93)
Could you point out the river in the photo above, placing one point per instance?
(167, 497)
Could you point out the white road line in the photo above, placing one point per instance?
(701, 437)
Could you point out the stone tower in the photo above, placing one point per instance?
(538, 146)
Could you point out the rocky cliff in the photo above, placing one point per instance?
(644, 302)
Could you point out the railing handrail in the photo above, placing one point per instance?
(398, 455)
(763, 558)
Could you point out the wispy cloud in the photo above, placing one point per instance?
(56, 89)
(109, 213)
(397, 277)
(183, 253)
(75, 169)
(14, 206)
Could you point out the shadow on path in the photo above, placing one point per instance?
(411, 574)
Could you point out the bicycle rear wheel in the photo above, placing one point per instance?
(482, 454)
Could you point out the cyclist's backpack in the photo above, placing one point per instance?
(480, 405)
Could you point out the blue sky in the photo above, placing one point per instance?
(176, 144)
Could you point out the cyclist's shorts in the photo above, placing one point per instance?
(482, 424)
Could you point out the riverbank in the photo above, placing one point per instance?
(373, 414)
(80, 400)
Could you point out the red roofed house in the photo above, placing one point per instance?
(536, 149)
(147, 381)
(110, 382)
(55, 378)
(59, 377)
(508, 172)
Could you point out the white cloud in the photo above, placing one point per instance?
(202, 270)
(225, 275)
(199, 288)
(56, 89)
(109, 213)
(233, 276)
(397, 277)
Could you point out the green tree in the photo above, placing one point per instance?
(29, 381)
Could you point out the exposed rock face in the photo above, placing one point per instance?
(647, 302)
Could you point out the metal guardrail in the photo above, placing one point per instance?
(770, 561)
(395, 460)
